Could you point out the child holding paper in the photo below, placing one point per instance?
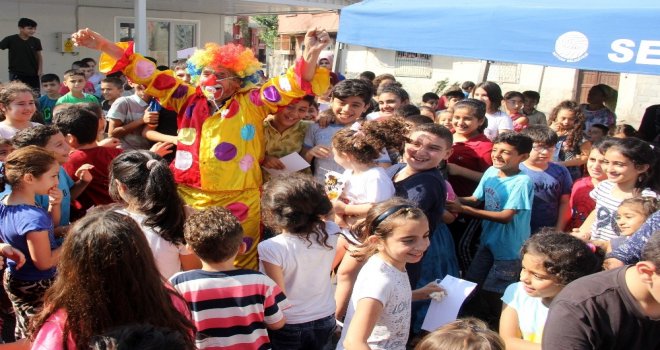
(284, 134)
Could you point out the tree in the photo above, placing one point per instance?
(269, 32)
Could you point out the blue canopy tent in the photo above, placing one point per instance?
(605, 35)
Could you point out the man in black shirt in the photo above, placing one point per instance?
(615, 309)
(25, 62)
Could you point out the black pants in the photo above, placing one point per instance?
(30, 80)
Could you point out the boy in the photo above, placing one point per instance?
(233, 307)
(80, 128)
(530, 101)
(112, 88)
(127, 117)
(50, 138)
(50, 84)
(616, 309)
(597, 132)
(466, 88)
(507, 195)
(452, 97)
(430, 99)
(552, 182)
(25, 61)
(75, 81)
(350, 99)
(180, 68)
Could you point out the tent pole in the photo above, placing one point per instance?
(140, 36)
(486, 69)
(541, 80)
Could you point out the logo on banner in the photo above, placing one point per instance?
(571, 47)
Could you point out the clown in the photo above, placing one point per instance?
(220, 121)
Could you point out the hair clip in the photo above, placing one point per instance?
(592, 247)
(151, 163)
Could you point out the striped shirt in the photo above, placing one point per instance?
(231, 308)
(604, 226)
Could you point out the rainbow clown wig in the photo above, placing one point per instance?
(236, 58)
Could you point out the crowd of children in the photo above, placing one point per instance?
(119, 211)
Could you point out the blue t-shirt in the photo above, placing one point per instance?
(65, 185)
(549, 186)
(16, 221)
(46, 106)
(499, 193)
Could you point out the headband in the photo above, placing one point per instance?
(387, 213)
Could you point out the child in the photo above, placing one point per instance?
(452, 97)
(507, 194)
(630, 216)
(498, 121)
(233, 307)
(350, 99)
(395, 233)
(127, 117)
(552, 182)
(530, 100)
(75, 81)
(622, 131)
(571, 151)
(285, 132)
(430, 99)
(365, 183)
(312, 111)
(406, 111)
(79, 127)
(25, 61)
(50, 138)
(390, 98)
(470, 158)
(632, 170)
(27, 227)
(446, 119)
(50, 84)
(5, 148)
(180, 69)
(144, 184)
(93, 77)
(463, 334)
(580, 203)
(106, 279)
(299, 259)
(16, 108)
(597, 133)
(467, 88)
(595, 111)
(427, 111)
(111, 89)
(512, 105)
(550, 261)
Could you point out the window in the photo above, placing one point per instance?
(502, 72)
(164, 36)
(415, 65)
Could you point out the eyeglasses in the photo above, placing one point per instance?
(541, 148)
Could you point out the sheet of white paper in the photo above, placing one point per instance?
(293, 162)
(446, 310)
(185, 53)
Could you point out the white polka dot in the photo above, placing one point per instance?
(183, 160)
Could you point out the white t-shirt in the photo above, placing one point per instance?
(165, 253)
(532, 313)
(8, 131)
(370, 186)
(306, 266)
(497, 121)
(383, 282)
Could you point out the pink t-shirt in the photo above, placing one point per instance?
(50, 334)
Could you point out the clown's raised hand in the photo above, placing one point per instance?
(93, 40)
(316, 40)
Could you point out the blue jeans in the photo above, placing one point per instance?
(492, 275)
(313, 335)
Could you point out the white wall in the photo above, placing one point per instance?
(636, 93)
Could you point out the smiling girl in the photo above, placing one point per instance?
(389, 100)
(16, 108)
(550, 261)
(491, 94)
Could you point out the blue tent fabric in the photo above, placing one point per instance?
(606, 35)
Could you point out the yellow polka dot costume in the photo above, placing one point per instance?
(219, 152)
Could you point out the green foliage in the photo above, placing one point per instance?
(269, 32)
(443, 86)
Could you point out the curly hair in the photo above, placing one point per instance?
(214, 234)
(565, 257)
(296, 204)
(577, 132)
(107, 277)
(367, 143)
(236, 58)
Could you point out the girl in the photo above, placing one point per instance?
(16, 108)
(446, 119)
(595, 111)
(365, 182)
(106, 278)
(469, 158)
(27, 227)
(632, 168)
(498, 121)
(630, 216)
(571, 151)
(512, 106)
(580, 203)
(390, 98)
(395, 233)
(143, 183)
(464, 334)
(550, 261)
(299, 259)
